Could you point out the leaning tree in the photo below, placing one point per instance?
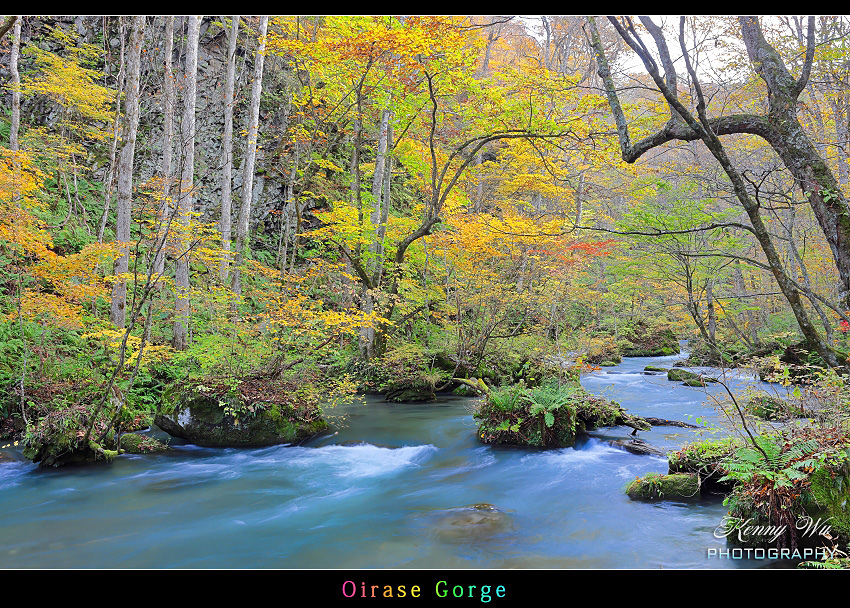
(779, 127)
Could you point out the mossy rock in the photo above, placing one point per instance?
(134, 443)
(768, 407)
(608, 364)
(654, 368)
(642, 340)
(209, 421)
(58, 439)
(546, 416)
(704, 458)
(678, 375)
(607, 356)
(673, 486)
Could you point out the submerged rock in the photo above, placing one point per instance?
(211, 421)
(475, 522)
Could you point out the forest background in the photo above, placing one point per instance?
(293, 209)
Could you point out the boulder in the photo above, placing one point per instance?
(135, 443)
(547, 416)
(704, 458)
(675, 486)
(642, 340)
(59, 438)
(475, 522)
(681, 375)
(212, 421)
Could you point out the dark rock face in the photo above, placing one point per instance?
(411, 393)
(208, 421)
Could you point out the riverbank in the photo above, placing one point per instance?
(316, 505)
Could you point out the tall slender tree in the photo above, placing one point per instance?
(16, 83)
(250, 158)
(125, 169)
(185, 202)
(167, 138)
(227, 145)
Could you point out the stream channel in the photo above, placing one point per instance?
(387, 490)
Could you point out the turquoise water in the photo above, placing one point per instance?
(382, 491)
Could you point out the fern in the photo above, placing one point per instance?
(781, 466)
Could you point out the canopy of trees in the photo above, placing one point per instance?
(212, 196)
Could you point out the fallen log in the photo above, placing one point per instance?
(637, 446)
(663, 422)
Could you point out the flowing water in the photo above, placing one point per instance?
(392, 488)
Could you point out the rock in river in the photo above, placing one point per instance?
(212, 421)
(475, 522)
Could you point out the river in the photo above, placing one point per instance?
(387, 490)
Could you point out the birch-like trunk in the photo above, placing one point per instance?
(167, 143)
(367, 334)
(110, 175)
(250, 158)
(16, 83)
(227, 146)
(185, 202)
(124, 204)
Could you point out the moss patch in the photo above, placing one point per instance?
(134, 443)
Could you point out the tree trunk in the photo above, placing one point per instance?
(227, 146)
(167, 139)
(250, 158)
(367, 334)
(712, 317)
(787, 139)
(107, 186)
(797, 151)
(124, 204)
(16, 83)
(185, 202)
